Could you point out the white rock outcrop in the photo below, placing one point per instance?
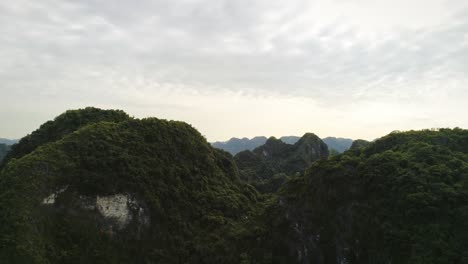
(51, 198)
(115, 206)
(120, 209)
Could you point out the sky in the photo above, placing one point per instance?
(243, 68)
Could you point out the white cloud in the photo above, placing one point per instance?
(348, 60)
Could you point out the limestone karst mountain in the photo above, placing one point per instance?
(236, 145)
(97, 186)
(401, 199)
(359, 143)
(130, 191)
(276, 158)
(62, 125)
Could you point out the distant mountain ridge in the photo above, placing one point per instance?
(277, 157)
(236, 145)
(4, 148)
(338, 144)
(7, 141)
(99, 186)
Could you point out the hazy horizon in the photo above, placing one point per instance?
(352, 69)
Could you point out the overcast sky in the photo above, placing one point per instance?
(350, 68)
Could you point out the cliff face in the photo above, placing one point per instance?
(123, 192)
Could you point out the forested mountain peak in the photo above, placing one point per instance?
(236, 145)
(359, 143)
(142, 191)
(272, 148)
(309, 139)
(62, 125)
(115, 189)
(400, 199)
(276, 157)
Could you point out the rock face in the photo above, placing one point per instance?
(133, 191)
(117, 211)
(53, 197)
(116, 207)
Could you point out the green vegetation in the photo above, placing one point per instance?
(402, 199)
(189, 195)
(236, 145)
(96, 186)
(276, 157)
(62, 125)
(359, 143)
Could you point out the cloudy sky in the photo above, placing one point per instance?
(351, 68)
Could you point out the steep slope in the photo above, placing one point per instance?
(276, 157)
(402, 199)
(62, 125)
(137, 191)
(236, 145)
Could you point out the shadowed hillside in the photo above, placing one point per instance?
(136, 191)
(401, 199)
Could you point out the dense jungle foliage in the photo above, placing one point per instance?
(191, 192)
(276, 158)
(359, 143)
(236, 145)
(62, 125)
(400, 199)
